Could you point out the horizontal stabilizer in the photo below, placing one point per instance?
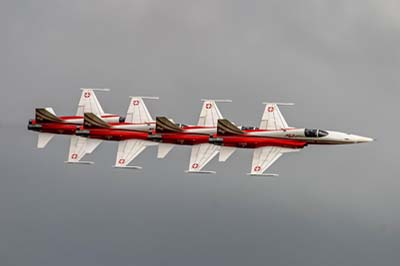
(225, 127)
(43, 139)
(91, 120)
(225, 153)
(164, 125)
(46, 115)
(164, 149)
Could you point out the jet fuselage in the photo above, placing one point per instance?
(251, 142)
(310, 136)
(111, 134)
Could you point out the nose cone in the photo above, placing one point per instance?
(361, 139)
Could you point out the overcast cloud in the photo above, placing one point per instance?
(338, 61)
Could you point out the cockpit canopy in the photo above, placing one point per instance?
(248, 128)
(315, 133)
(181, 125)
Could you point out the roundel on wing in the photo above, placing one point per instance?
(257, 168)
(87, 94)
(195, 165)
(208, 106)
(121, 161)
(270, 109)
(74, 156)
(135, 102)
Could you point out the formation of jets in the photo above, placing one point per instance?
(211, 136)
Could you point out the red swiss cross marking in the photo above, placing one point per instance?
(257, 168)
(195, 165)
(270, 109)
(74, 156)
(121, 161)
(208, 106)
(86, 94)
(135, 102)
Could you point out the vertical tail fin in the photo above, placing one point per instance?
(47, 114)
(272, 118)
(91, 120)
(137, 111)
(164, 149)
(226, 128)
(210, 113)
(43, 139)
(164, 125)
(88, 102)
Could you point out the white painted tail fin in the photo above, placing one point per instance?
(210, 113)
(43, 139)
(88, 102)
(137, 111)
(51, 110)
(46, 115)
(272, 118)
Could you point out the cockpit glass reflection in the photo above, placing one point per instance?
(315, 133)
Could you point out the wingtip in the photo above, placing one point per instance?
(266, 174)
(200, 172)
(128, 167)
(146, 97)
(79, 162)
(217, 100)
(96, 89)
(277, 103)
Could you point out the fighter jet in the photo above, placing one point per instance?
(168, 134)
(273, 138)
(132, 134)
(48, 124)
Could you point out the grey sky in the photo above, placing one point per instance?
(337, 60)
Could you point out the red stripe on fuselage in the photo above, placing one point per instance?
(133, 124)
(115, 134)
(195, 127)
(58, 128)
(184, 139)
(257, 142)
(268, 130)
